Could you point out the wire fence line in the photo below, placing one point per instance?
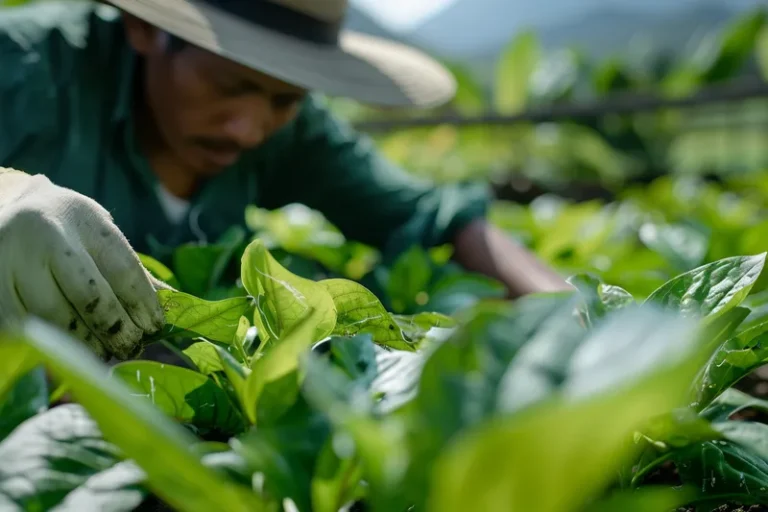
(634, 103)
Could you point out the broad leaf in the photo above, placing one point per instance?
(360, 312)
(119, 488)
(713, 288)
(159, 271)
(684, 246)
(216, 320)
(288, 298)
(734, 360)
(357, 357)
(630, 344)
(335, 480)
(200, 268)
(15, 361)
(747, 434)
(514, 72)
(651, 499)
(27, 397)
(559, 458)
(731, 402)
(279, 361)
(134, 425)
(615, 297)
(457, 292)
(49, 455)
(762, 52)
(409, 277)
(738, 44)
(723, 471)
(187, 396)
(287, 452)
(205, 356)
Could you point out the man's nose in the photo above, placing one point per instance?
(249, 126)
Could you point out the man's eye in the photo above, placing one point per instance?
(286, 101)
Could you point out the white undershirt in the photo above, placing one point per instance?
(175, 207)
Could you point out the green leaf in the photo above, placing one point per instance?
(360, 312)
(186, 396)
(136, 428)
(205, 356)
(762, 52)
(15, 361)
(236, 374)
(711, 289)
(217, 320)
(684, 246)
(737, 46)
(409, 277)
(49, 455)
(455, 292)
(288, 297)
(335, 480)
(514, 72)
(286, 452)
(682, 427)
(469, 98)
(28, 397)
(748, 434)
(588, 285)
(159, 270)
(723, 471)
(650, 499)
(397, 378)
(200, 268)
(734, 360)
(357, 357)
(279, 361)
(731, 402)
(615, 297)
(559, 457)
(116, 489)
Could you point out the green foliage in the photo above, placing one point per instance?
(547, 402)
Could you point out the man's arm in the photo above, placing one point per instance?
(329, 167)
(483, 248)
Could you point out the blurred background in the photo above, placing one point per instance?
(626, 138)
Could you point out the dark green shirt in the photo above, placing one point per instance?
(66, 73)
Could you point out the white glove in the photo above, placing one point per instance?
(63, 260)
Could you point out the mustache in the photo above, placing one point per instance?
(219, 145)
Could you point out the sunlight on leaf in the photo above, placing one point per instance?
(288, 297)
(136, 427)
(216, 320)
(360, 312)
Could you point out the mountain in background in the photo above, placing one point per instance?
(476, 31)
(360, 21)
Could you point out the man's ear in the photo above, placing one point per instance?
(145, 38)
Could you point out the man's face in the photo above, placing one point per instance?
(206, 109)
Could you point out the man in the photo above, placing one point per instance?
(144, 124)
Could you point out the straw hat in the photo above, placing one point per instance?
(302, 42)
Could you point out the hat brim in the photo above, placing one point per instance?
(364, 68)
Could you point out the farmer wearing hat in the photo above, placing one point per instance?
(148, 123)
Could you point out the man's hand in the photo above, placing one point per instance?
(481, 247)
(63, 260)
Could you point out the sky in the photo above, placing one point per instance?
(400, 15)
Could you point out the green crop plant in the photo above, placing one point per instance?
(310, 395)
